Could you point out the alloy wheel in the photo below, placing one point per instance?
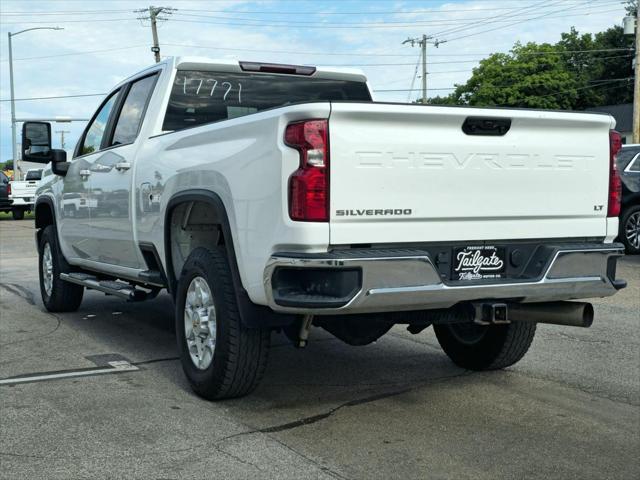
(47, 269)
(200, 323)
(632, 230)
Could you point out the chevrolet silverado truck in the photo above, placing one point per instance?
(23, 193)
(279, 197)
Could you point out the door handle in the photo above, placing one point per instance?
(85, 173)
(123, 166)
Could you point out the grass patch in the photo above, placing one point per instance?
(9, 216)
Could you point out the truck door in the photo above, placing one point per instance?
(111, 196)
(73, 217)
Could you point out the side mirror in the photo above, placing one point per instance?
(59, 164)
(36, 142)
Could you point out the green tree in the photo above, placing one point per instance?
(572, 74)
(594, 68)
(438, 100)
(529, 76)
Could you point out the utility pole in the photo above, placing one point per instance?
(62, 132)
(422, 42)
(154, 16)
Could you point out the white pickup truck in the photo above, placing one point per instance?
(23, 193)
(276, 197)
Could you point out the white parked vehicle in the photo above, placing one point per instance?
(23, 193)
(270, 197)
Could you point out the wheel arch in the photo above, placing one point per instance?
(45, 216)
(252, 315)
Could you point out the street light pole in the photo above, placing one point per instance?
(14, 141)
(14, 146)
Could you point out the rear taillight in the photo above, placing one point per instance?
(309, 185)
(8, 189)
(615, 185)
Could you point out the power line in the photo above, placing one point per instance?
(510, 24)
(503, 17)
(455, 23)
(54, 97)
(65, 12)
(599, 82)
(70, 21)
(604, 82)
(443, 63)
(596, 82)
(317, 25)
(371, 12)
(293, 52)
(358, 54)
(86, 52)
(385, 22)
(298, 13)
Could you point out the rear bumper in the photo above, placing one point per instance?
(361, 281)
(26, 202)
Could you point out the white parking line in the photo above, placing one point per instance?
(116, 367)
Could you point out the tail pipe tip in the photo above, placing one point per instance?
(574, 314)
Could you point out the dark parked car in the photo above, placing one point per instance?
(629, 167)
(5, 190)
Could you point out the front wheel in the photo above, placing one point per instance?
(220, 356)
(480, 347)
(57, 295)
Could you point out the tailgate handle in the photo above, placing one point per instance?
(486, 126)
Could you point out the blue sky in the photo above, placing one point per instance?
(104, 42)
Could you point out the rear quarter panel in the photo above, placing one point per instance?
(245, 162)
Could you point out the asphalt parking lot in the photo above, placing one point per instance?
(395, 409)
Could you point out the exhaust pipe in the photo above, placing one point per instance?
(573, 314)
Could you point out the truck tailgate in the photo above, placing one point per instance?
(406, 173)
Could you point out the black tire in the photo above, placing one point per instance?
(17, 213)
(629, 223)
(240, 353)
(64, 296)
(477, 347)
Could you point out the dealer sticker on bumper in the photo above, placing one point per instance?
(478, 262)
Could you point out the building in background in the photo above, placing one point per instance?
(623, 114)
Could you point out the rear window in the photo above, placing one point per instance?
(204, 97)
(628, 159)
(34, 175)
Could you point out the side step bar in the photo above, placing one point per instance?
(110, 287)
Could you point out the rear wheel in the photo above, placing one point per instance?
(18, 214)
(220, 357)
(479, 347)
(57, 295)
(630, 229)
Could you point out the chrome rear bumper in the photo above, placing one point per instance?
(396, 280)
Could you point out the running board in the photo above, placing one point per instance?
(110, 287)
